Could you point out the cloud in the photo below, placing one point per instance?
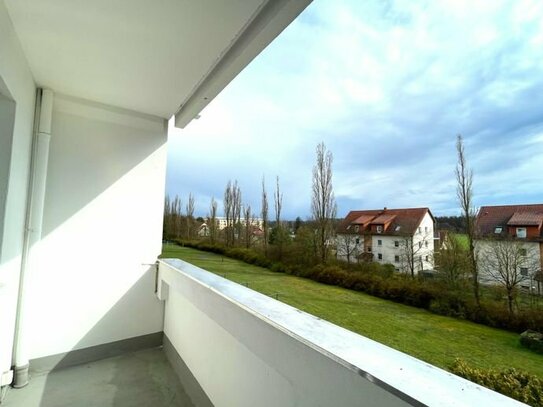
(387, 86)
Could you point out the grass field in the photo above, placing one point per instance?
(432, 338)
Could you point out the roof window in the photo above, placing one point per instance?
(498, 230)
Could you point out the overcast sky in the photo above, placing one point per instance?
(387, 86)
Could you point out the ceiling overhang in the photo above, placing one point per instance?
(157, 57)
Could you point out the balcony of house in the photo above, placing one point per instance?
(223, 344)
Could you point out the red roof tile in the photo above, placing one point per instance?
(491, 217)
(526, 219)
(403, 221)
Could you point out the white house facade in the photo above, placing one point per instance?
(401, 237)
(509, 245)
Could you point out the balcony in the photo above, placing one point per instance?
(226, 345)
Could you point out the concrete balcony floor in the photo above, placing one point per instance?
(142, 378)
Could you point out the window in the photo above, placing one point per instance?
(369, 248)
(397, 259)
(524, 271)
(396, 243)
(379, 242)
(356, 228)
(420, 229)
(498, 230)
(398, 228)
(426, 243)
(380, 256)
(521, 232)
(425, 229)
(357, 240)
(420, 245)
(427, 258)
(396, 269)
(379, 229)
(522, 252)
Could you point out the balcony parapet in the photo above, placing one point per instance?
(245, 349)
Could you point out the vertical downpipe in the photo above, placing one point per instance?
(33, 230)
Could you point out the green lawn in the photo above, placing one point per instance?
(432, 338)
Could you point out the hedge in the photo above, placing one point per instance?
(378, 280)
(513, 383)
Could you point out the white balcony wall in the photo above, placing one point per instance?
(102, 228)
(246, 349)
(17, 90)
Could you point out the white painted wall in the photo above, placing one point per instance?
(424, 255)
(246, 349)
(102, 225)
(17, 84)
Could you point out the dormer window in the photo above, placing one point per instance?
(397, 228)
(498, 230)
(521, 232)
(379, 229)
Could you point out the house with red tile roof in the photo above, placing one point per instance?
(402, 237)
(510, 234)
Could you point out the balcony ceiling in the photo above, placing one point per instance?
(143, 55)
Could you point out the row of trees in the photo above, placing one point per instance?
(244, 227)
(458, 264)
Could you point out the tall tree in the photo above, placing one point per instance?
(464, 192)
(323, 203)
(264, 215)
(248, 221)
(228, 203)
(278, 205)
(190, 215)
(213, 220)
(236, 211)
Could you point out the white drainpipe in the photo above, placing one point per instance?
(34, 221)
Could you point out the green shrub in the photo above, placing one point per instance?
(513, 383)
(532, 340)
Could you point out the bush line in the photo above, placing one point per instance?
(379, 281)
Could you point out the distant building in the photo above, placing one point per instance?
(518, 230)
(401, 237)
(221, 222)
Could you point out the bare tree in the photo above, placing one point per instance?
(248, 225)
(412, 250)
(167, 219)
(323, 204)
(464, 192)
(213, 220)
(190, 215)
(264, 215)
(172, 218)
(278, 204)
(236, 212)
(228, 204)
(509, 262)
(348, 247)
